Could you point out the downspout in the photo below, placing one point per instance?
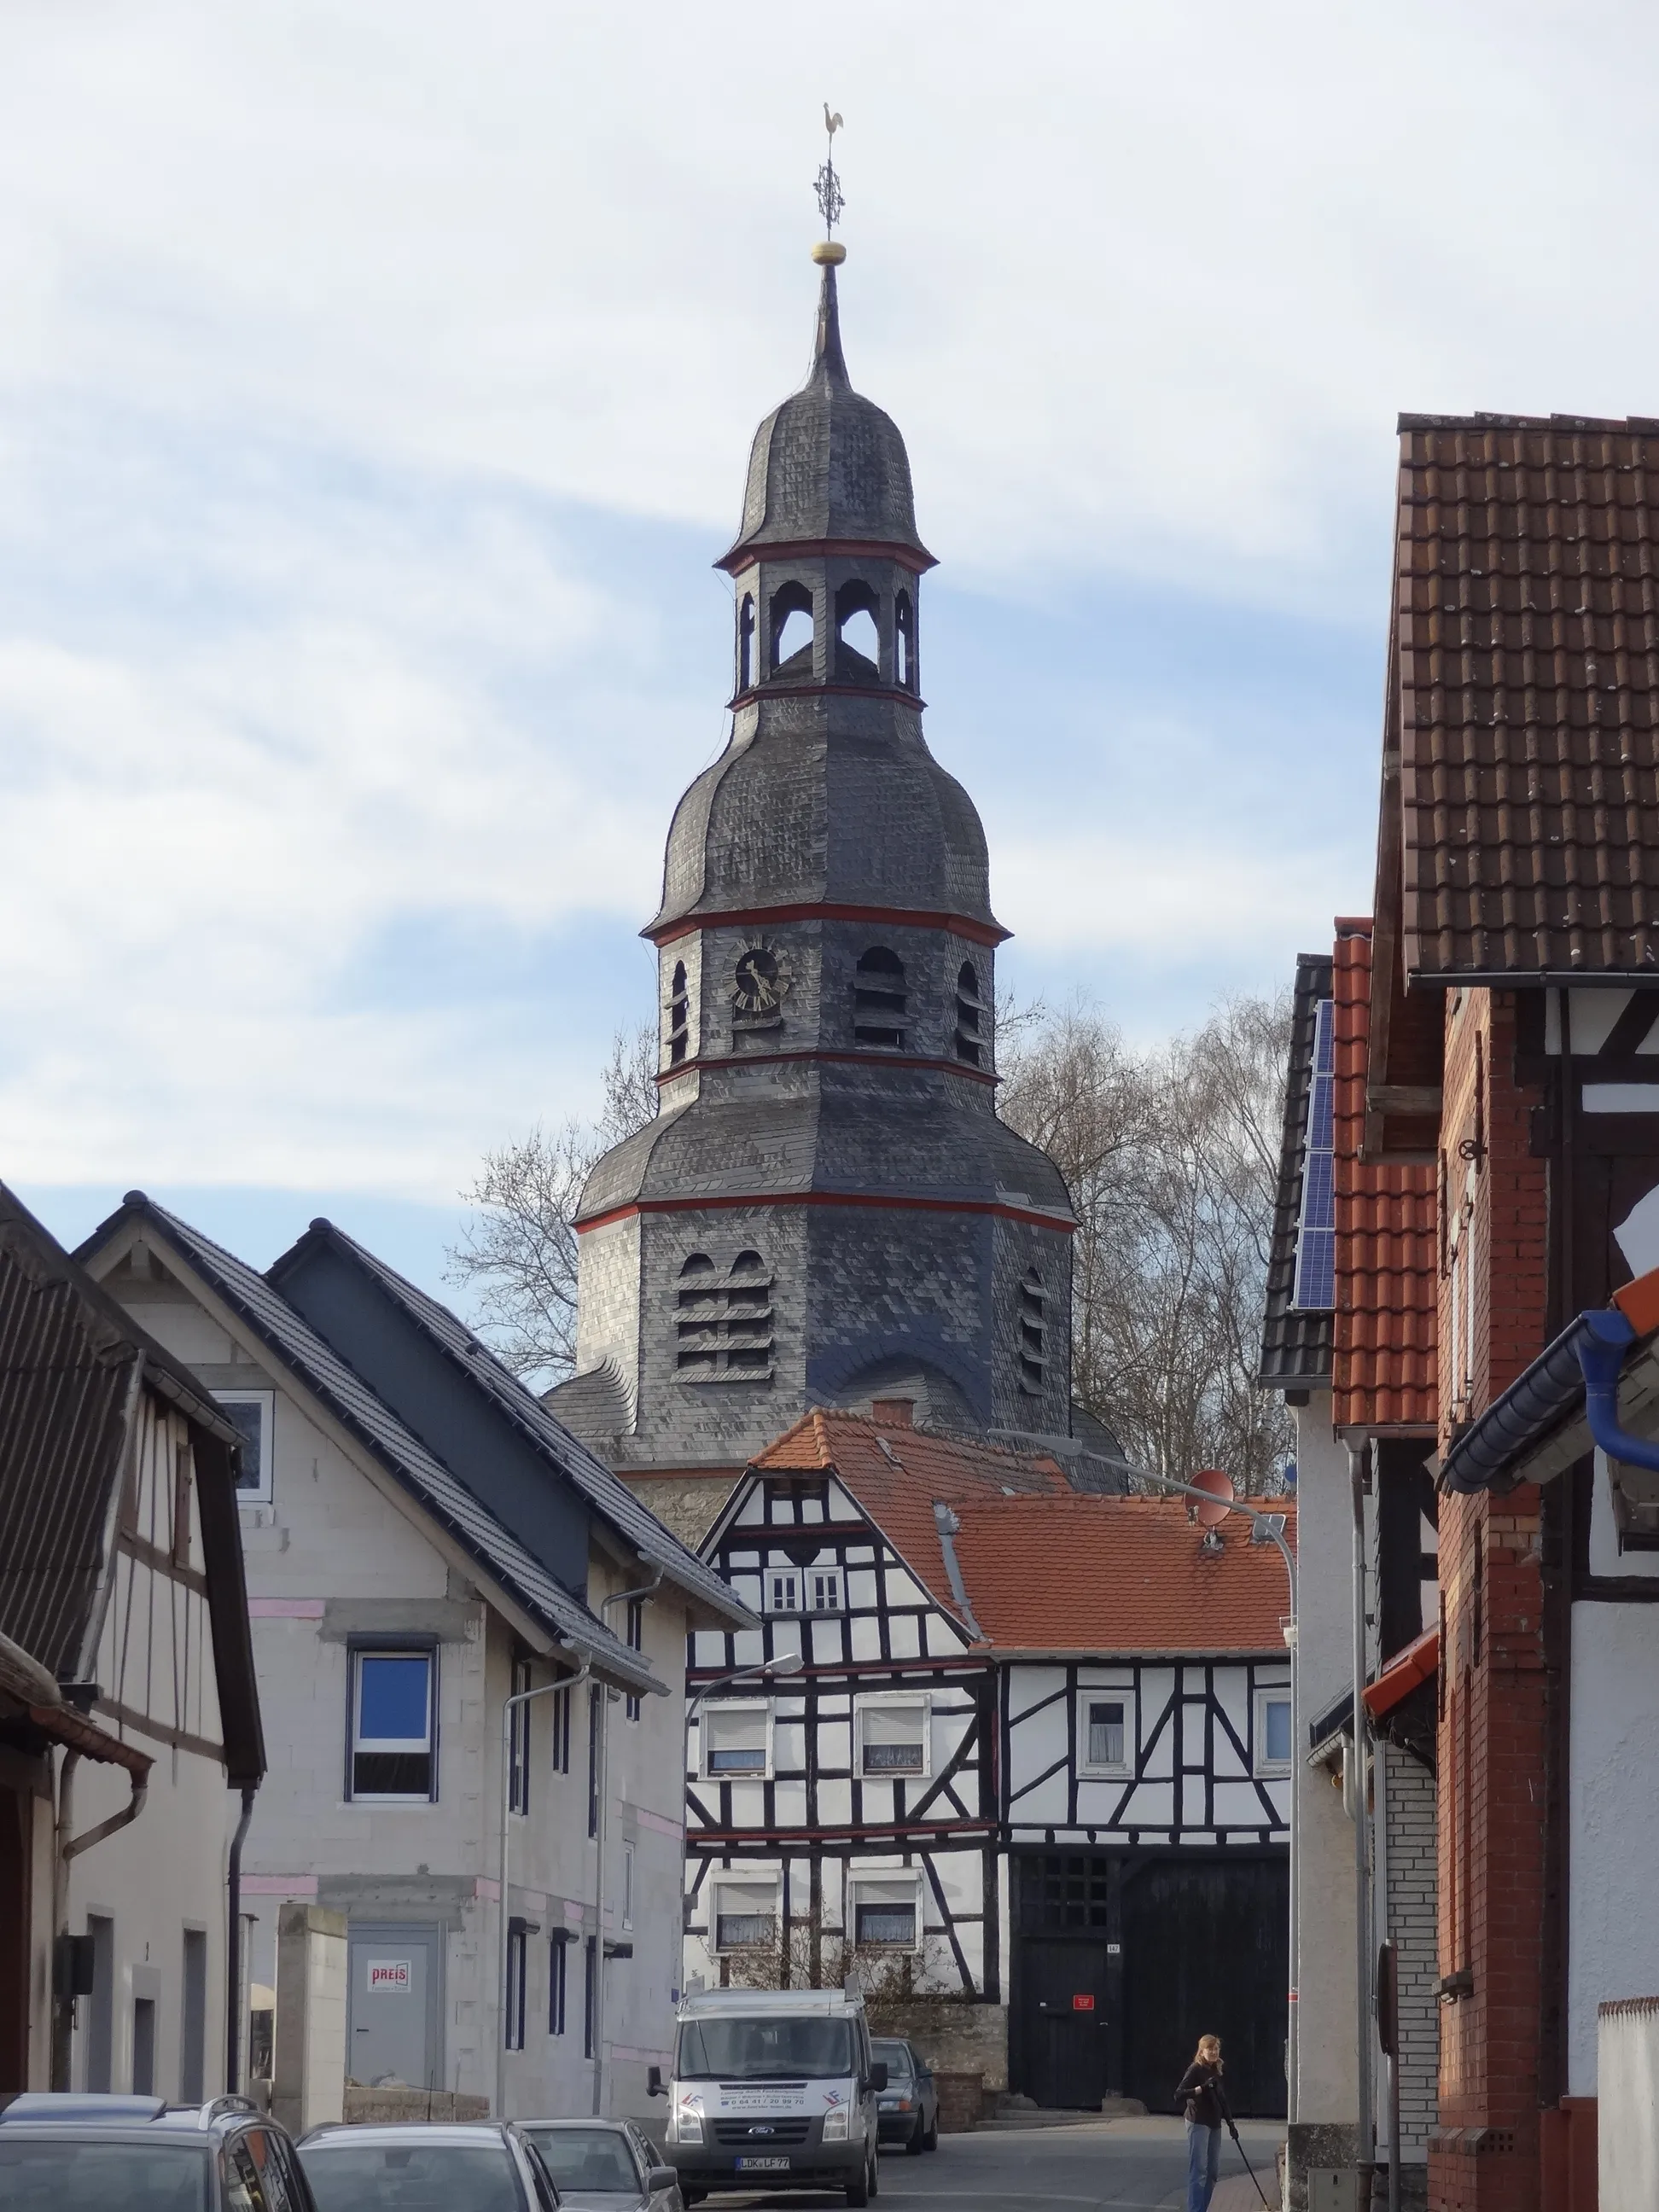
(1364, 2146)
(510, 1707)
(1604, 1337)
(63, 2011)
(233, 1944)
(602, 1768)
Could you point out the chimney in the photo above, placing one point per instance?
(893, 1413)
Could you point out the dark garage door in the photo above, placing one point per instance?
(1205, 1951)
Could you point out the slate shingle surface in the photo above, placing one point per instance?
(1525, 694)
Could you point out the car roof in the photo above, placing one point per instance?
(403, 2132)
(617, 2127)
(836, 2004)
(133, 2118)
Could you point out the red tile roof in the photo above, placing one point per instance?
(1045, 1568)
(1525, 697)
(898, 1473)
(1118, 1574)
(1385, 1373)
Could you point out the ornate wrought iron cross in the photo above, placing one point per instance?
(828, 187)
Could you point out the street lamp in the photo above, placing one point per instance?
(786, 1663)
(1264, 1531)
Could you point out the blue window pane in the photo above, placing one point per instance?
(392, 1699)
(1276, 1720)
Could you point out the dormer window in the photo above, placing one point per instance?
(970, 1012)
(1033, 1328)
(858, 645)
(792, 632)
(879, 999)
(679, 1015)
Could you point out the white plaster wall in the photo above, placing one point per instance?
(1614, 1926)
(1627, 2137)
(1327, 2076)
(156, 1879)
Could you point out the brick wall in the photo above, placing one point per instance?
(1412, 1928)
(1484, 2153)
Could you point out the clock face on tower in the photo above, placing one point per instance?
(758, 984)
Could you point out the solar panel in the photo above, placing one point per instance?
(1315, 1232)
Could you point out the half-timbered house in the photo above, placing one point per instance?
(127, 1695)
(1033, 1754)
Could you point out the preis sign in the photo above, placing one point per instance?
(388, 1977)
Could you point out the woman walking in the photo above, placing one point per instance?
(1202, 2099)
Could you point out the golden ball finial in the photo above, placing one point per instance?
(829, 253)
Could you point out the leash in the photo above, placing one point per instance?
(1232, 2130)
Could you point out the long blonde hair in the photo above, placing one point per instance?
(1209, 2051)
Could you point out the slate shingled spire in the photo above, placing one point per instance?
(826, 1210)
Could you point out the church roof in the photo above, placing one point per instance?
(828, 465)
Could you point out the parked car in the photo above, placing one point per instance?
(425, 2166)
(907, 2111)
(87, 2153)
(604, 2166)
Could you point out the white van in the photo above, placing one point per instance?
(773, 2089)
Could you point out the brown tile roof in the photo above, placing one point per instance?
(1118, 1574)
(1524, 697)
(1045, 1568)
(1385, 1371)
(898, 1473)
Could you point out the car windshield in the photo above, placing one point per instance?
(413, 2177)
(764, 2050)
(46, 2174)
(587, 2157)
(895, 2056)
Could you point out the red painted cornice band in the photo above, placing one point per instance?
(754, 917)
(888, 1201)
(741, 557)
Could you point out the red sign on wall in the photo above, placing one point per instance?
(1083, 2003)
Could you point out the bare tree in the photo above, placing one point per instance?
(1170, 1156)
(517, 1249)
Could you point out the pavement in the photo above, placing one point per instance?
(1091, 2166)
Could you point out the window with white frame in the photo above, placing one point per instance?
(1104, 1731)
(802, 1589)
(737, 1738)
(884, 1912)
(394, 1713)
(1272, 1731)
(893, 1735)
(253, 1414)
(744, 1916)
(782, 1588)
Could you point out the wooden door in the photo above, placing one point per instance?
(1205, 1951)
(1064, 2024)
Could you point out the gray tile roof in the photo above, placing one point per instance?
(1296, 1345)
(610, 1497)
(443, 1494)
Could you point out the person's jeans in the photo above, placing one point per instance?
(1203, 2163)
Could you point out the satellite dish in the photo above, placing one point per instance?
(1212, 1481)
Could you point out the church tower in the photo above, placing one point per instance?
(826, 1210)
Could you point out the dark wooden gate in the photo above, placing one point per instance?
(1160, 1947)
(1065, 2021)
(1205, 1951)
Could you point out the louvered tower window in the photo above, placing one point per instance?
(970, 1015)
(1033, 1320)
(679, 1015)
(725, 1321)
(879, 999)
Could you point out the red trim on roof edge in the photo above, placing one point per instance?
(961, 924)
(1418, 1662)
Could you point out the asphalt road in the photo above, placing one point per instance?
(1102, 2166)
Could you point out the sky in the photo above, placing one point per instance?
(376, 386)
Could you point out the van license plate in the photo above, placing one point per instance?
(762, 2166)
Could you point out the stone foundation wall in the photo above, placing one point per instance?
(954, 2038)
